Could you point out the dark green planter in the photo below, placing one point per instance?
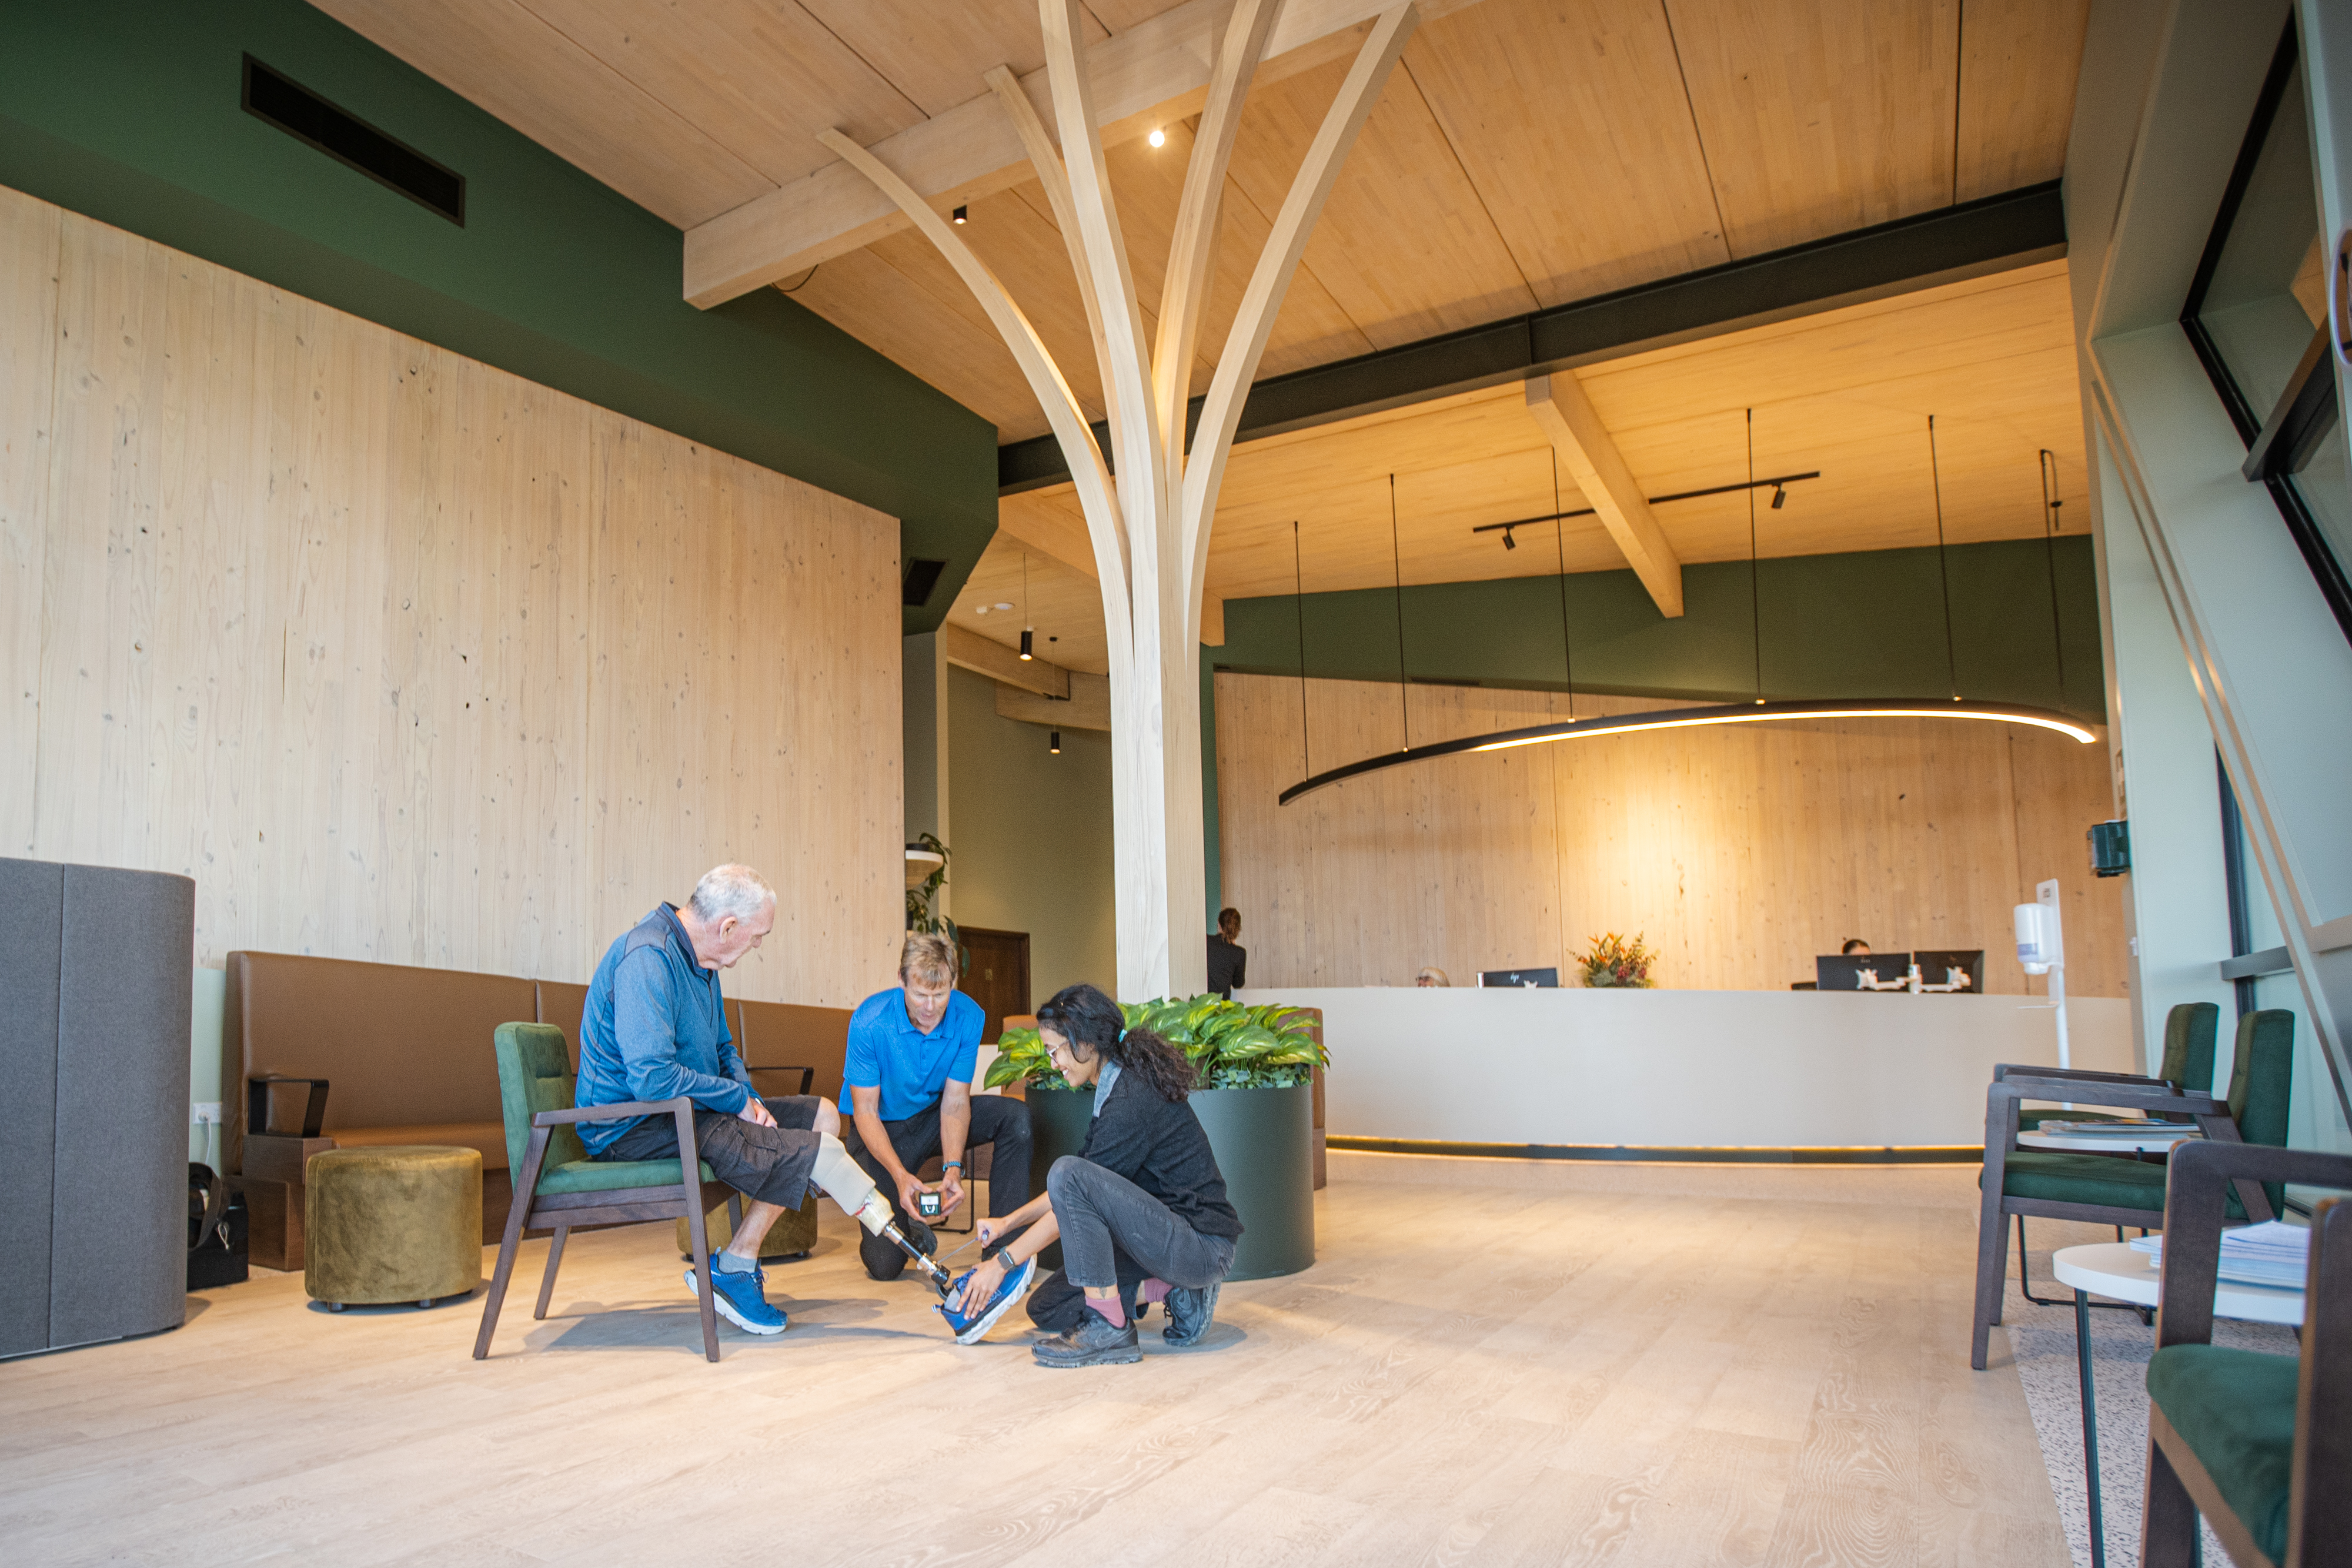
(1264, 1143)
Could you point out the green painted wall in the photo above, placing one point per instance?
(1031, 838)
(1866, 623)
(127, 110)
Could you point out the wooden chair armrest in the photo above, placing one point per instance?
(2007, 1070)
(611, 1113)
(2197, 1180)
(808, 1074)
(2109, 1096)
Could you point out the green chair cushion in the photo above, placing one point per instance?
(2104, 1179)
(604, 1176)
(2235, 1409)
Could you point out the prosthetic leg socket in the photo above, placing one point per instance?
(848, 1184)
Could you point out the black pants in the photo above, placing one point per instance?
(768, 1165)
(998, 1120)
(1114, 1232)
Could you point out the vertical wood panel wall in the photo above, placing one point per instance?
(1740, 853)
(407, 659)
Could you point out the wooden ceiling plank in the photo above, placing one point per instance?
(1567, 418)
(508, 62)
(760, 76)
(1820, 116)
(933, 53)
(1569, 119)
(2019, 59)
(1150, 74)
(1408, 250)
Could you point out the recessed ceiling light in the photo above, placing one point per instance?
(979, 610)
(1159, 137)
(1000, 605)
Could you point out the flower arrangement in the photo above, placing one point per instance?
(1614, 961)
(1233, 1046)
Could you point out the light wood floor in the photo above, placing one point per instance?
(1493, 1362)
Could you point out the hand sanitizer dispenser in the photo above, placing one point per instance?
(2042, 950)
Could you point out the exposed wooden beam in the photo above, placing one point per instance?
(1568, 420)
(1997, 233)
(1156, 71)
(970, 651)
(1087, 707)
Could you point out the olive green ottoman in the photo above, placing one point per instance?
(400, 1223)
(793, 1233)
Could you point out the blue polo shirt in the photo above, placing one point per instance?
(911, 1067)
(655, 1028)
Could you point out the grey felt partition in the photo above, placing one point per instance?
(95, 970)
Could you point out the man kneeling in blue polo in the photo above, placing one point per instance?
(655, 1029)
(906, 1084)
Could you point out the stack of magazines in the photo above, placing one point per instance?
(2271, 1253)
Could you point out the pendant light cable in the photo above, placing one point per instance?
(1943, 561)
(1755, 595)
(1560, 546)
(2050, 505)
(1396, 558)
(1298, 600)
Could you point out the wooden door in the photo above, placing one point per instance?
(996, 975)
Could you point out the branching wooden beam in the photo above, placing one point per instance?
(1155, 72)
(1567, 419)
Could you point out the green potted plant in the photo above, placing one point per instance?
(1614, 961)
(1257, 1068)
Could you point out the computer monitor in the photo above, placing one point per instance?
(1863, 972)
(1938, 966)
(1519, 979)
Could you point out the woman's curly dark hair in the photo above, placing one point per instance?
(1091, 1023)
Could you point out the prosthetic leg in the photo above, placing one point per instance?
(848, 1184)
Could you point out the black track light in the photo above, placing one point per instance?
(1054, 745)
(1026, 652)
(1780, 497)
(962, 215)
(1509, 542)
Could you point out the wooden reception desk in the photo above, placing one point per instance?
(1685, 1069)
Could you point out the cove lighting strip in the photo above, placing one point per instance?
(1697, 719)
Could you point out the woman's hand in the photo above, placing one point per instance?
(980, 1286)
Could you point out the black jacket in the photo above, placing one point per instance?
(1159, 1145)
(1228, 967)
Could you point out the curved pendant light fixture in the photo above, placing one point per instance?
(1759, 710)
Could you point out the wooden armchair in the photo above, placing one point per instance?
(558, 1188)
(2104, 1189)
(2260, 1444)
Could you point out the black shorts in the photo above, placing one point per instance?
(767, 1165)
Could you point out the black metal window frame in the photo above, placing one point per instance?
(2280, 444)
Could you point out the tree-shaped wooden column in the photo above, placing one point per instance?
(1151, 523)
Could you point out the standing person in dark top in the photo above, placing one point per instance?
(1228, 960)
(1140, 1211)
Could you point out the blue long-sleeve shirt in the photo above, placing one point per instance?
(655, 1028)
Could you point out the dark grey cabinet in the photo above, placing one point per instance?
(95, 970)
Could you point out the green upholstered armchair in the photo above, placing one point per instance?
(558, 1188)
(2116, 1189)
(2188, 1032)
(2260, 1444)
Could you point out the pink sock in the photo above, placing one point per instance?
(1111, 1311)
(1153, 1292)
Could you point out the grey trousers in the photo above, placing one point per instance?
(1106, 1219)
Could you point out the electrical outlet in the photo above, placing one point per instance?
(207, 1113)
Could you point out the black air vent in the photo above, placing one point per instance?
(304, 115)
(922, 575)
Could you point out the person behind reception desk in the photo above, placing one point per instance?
(1855, 947)
(1432, 975)
(1228, 961)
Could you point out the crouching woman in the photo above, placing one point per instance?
(1141, 1210)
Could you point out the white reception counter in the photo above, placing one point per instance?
(1685, 1069)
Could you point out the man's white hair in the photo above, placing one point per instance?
(726, 890)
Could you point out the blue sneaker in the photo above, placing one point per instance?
(740, 1301)
(970, 1326)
